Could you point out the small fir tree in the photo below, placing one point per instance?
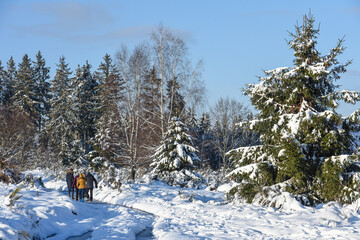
(175, 152)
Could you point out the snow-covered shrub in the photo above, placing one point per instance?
(183, 178)
(108, 174)
(213, 179)
(32, 181)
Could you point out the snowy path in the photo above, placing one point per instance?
(48, 213)
(180, 214)
(109, 217)
(146, 218)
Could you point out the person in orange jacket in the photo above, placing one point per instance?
(80, 183)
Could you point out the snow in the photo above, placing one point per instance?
(250, 169)
(178, 213)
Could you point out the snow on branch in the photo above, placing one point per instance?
(346, 95)
(354, 117)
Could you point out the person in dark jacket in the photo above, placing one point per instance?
(76, 188)
(69, 182)
(90, 180)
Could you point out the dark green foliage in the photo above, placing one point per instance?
(266, 175)
(292, 165)
(329, 181)
(246, 191)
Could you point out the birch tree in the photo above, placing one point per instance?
(133, 69)
(170, 58)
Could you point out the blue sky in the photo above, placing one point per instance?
(235, 39)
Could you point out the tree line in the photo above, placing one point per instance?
(119, 111)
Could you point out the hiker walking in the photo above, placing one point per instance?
(69, 181)
(80, 183)
(90, 180)
(76, 188)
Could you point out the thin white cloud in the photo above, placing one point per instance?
(74, 15)
(117, 35)
(78, 22)
(62, 20)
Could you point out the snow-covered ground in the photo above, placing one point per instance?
(178, 214)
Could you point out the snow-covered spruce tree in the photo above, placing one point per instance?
(42, 90)
(175, 156)
(7, 77)
(9, 80)
(61, 123)
(85, 106)
(109, 93)
(308, 149)
(24, 98)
